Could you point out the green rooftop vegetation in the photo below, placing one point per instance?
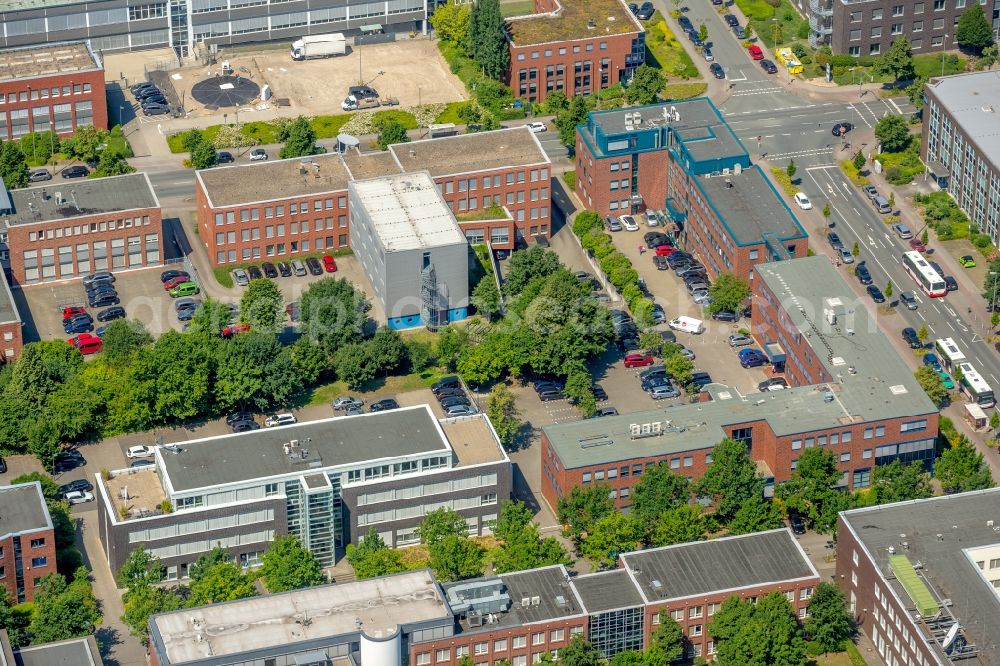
(491, 213)
(922, 598)
(572, 21)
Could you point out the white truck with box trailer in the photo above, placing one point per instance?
(319, 46)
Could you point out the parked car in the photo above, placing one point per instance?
(224, 157)
(654, 239)
(244, 426)
(665, 250)
(667, 390)
(730, 20)
(605, 411)
(76, 484)
(329, 264)
(910, 338)
(638, 360)
(258, 155)
(284, 269)
(186, 302)
(863, 274)
(931, 361)
(870, 191)
(80, 325)
(65, 461)
(612, 223)
(768, 66)
(298, 267)
(98, 277)
(174, 281)
(140, 451)
(950, 283)
(536, 127)
(629, 223)
(645, 11)
(551, 394)
(756, 53)
(968, 261)
(908, 299)
(40, 176)
(449, 393)
(345, 402)
(845, 255)
(707, 54)
(112, 313)
(184, 289)
(803, 201)
(233, 330)
(155, 110)
(916, 244)
(77, 171)
(254, 272)
(796, 522)
(459, 410)
(236, 417)
(752, 358)
(72, 311)
(772, 384)
(282, 419)
(725, 315)
(834, 240)
(383, 405)
(717, 70)
(902, 231)
(103, 299)
(269, 270)
(313, 265)
(453, 400)
(241, 277)
(78, 496)
(168, 275)
(876, 294)
(448, 382)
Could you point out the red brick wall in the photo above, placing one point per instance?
(11, 341)
(7, 561)
(594, 177)
(94, 81)
(469, 640)
(605, 59)
(60, 234)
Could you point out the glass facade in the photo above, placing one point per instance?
(315, 517)
(617, 631)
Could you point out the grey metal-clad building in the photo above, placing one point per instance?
(328, 482)
(124, 25)
(411, 248)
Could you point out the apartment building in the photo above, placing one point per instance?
(129, 25)
(682, 157)
(27, 540)
(922, 577)
(54, 87)
(850, 392)
(496, 183)
(411, 248)
(11, 339)
(327, 482)
(573, 47)
(869, 28)
(960, 145)
(67, 229)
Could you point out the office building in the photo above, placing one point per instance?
(11, 339)
(411, 248)
(50, 88)
(683, 158)
(573, 47)
(73, 652)
(121, 25)
(27, 540)
(497, 184)
(922, 577)
(67, 229)
(327, 482)
(960, 144)
(850, 393)
(869, 28)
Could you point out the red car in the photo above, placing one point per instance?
(665, 250)
(86, 343)
(329, 264)
(234, 329)
(755, 52)
(173, 282)
(73, 311)
(917, 245)
(638, 360)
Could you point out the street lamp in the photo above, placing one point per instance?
(993, 300)
(944, 43)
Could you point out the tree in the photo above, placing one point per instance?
(666, 642)
(791, 169)
(489, 38)
(310, 361)
(813, 491)
(580, 390)
(679, 523)
(355, 365)
(254, 371)
(658, 490)
(142, 604)
(504, 415)
(613, 534)
(582, 508)
(333, 313)
(930, 382)
(925, 236)
(141, 569)
(40, 145)
(961, 468)
(829, 623)
(827, 211)
(703, 32)
(756, 514)
(372, 557)
(209, 319)
(451, 21)
(991, 285)
(486, 297)
(897, 482)
(527, 265)
(888, 289)
(728, 293)
(763, 633)
(897, 62)
(730, 480)
(392, 132)
(456, 558)
(112, 164)
(892, 132)
(64, 610)
(223, 581)
(204, 155)
(199, 568)
(123, 337)
(261, 304)
(287, 565)
(974, 30)
(441, 523)
(923, 333)
(569, 118)
(578, 652)
(300, 139)
(13, 165)
(521, 546)
(85, 145)
(855, 250)
(183, 367)
(387, 349)
(859, 160)
(647, 82)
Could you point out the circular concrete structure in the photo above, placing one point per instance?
(221, 92)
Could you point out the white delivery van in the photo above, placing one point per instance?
(687, 324)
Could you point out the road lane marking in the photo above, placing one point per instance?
(893, 102)
(921, 315)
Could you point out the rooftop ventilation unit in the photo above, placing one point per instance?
(827, 396)
(561, 601)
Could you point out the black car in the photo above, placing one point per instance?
(449, 382)
(453, 400)
(244, 426)
(633, 7)
(730, 20)
(284, 269)
(80, 485)
(950, 284)
(224, 157)
(840, 129)
(157, 100)
(876, 294)
(97, 288)
(910, 338)
(254, 272)
(660, 263)
(167, 276)
(238, 416)
(78, 171)
(142, 85)
(835, 241)
(112, 313)
(717, 71)
(269, 269)
(655, 239)
(685, 23)
(3, 466)
(768, 67)
(599, 392)
(668, 336)
(78, 326)
(157, 110)
(797, 523)
(104, 299)
(725, 315)
(547, 385)
(451, 392)
(68, 460)
(383, 405)
(551, 394)
(773, 381)
(187, 314)
(700, 379)
(312, 263)
(39, 176)
(646, 11)
(148, 91)
(695, 38)
(864, 275)
(738, 31)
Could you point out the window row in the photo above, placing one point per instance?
(278, 210)
(500, 646)
(418, 511)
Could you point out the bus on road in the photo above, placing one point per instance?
(974, 386)
(949, 352)
(923, 274)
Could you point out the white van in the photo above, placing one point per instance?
(688, 324)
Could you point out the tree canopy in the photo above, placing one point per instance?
(287, 565)
(488, 35)
(961, 468)
(763, 633)
(581, 509)
(372, 557)
(812, 491)
(13, 165)
(521, 544)
(261, 305)
(333, 313)
(829, 623)
(897, 482)
(893, 133)
(897, 61)
(646, 84)
(974, 30)
(299, 138)
(730, 480)
(930, 381)
(728, 292)
(392, 132)
(64, 609)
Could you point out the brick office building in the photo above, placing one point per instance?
(27, 540)
(921, 577)
(57, 87)
(850, 393)
(574, 47)
(276, 210)
(11, 339)
(684, 158)
(68, 229)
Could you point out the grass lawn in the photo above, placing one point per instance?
(450, 113)
(517, 8)
(902, 167)
(790, 26)
(925, 65)
(382, 385)
(684, 90)
(664, 51)
(570, 178)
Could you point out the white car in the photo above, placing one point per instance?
(803, 201)
(629, 223)
(279, 420)
(537, 128)
(139, 452)
(241, 277)
(258, 155)
(78, 496)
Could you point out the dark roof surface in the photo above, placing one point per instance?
(547, 584)
(749, 206)
(67, 199)
(74, 652)
(606, 591)
(22, 509)
(730, 563)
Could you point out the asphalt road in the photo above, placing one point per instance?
(173, 184)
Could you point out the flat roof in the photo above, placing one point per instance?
(718, 565)
(696, 121)
(936, 532)
(344, 440)
(407, 212)
(23, 509)
(607, 590)
(331, 172)
(8, 309)
(473, 440)
(973, 100)
(572, 20)
(377, 605)
(73, 652)
(47, 60)
(81, 198)
(749, 206)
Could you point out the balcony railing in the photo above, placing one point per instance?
(820, 8)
